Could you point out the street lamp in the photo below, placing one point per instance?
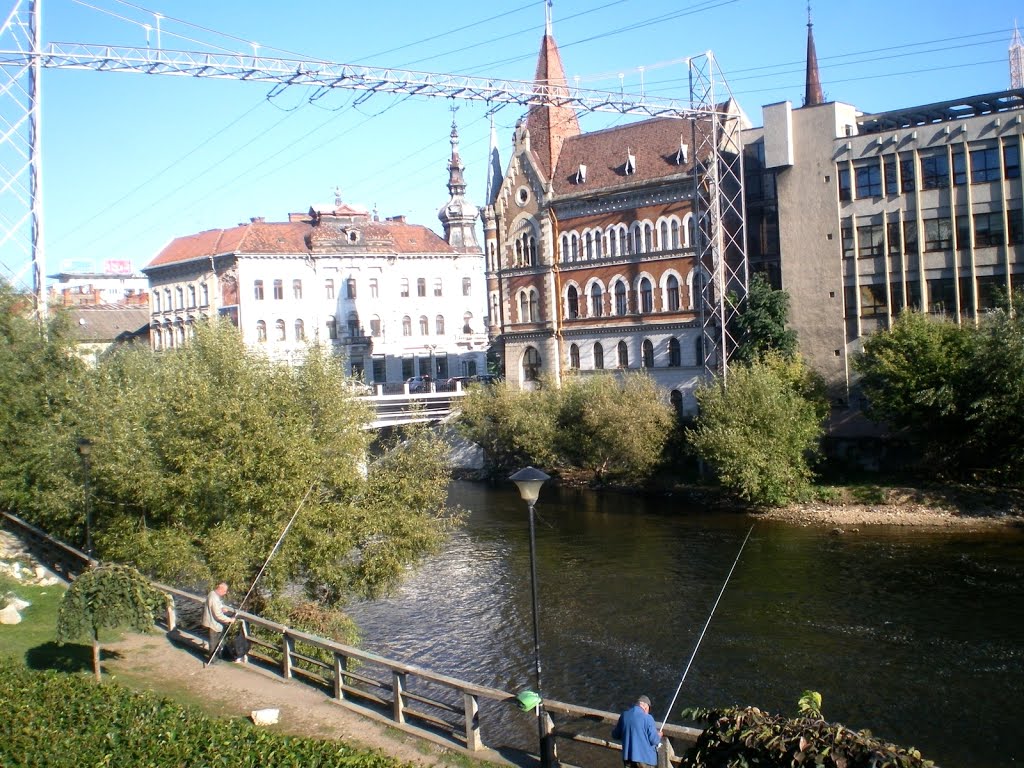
(84, 449)
(529, 482)
(433, 371)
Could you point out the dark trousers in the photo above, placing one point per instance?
(214, 639)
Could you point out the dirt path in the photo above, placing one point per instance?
(235, 690)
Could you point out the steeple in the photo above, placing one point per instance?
(1016, 59)
(550, 126)
(457, 216)
(494, 175)
(812, 88)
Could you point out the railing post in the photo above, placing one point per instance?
(244, 628)
(398, 688)
(172, 614)
(547, 741)
(340, 667)
(665, 754)
(472, 706)
(288, 646)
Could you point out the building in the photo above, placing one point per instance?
(116, 284)
(96, 328)
(590, 241)
(394, 298)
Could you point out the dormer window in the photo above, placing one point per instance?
(353, 237)
(630, 166)
(581, 174)
(683, 155)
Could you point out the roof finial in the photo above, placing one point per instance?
(547, 17)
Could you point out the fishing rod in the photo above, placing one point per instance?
(273, 551)
(703, 631)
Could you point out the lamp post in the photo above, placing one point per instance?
(84, 449)
(529, 482)
(433, 371)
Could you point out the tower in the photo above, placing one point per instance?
(1016, 59)
(458, 217)
(812, 87)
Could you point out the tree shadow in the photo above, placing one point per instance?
(70, 657)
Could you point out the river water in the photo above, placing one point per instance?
(917, 635)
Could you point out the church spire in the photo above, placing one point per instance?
(494, 175)
(457, 216)
(549, 126)
(812, 88)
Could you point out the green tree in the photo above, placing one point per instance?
(762, 431)
(760, 326)
(106, 597)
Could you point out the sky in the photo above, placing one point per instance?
(131, 161)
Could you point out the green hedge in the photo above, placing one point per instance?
(53, 719)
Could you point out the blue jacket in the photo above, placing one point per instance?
(639, 736)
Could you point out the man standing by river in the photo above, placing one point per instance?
(639, 735)
(214, 618)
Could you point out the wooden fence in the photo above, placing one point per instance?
(434, 706)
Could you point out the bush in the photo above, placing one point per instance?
(53, 719)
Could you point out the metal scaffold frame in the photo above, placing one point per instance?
(718, 151)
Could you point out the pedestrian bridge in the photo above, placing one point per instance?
(394, 408)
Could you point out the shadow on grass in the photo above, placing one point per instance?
(70, 657)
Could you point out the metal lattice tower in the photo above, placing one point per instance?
(720, 211)
(1016, 59)
(719, 199)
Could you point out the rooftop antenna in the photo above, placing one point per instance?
(547, 17)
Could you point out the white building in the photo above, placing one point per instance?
(394, 298)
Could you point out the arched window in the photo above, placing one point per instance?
(596, 300)
(531, 364)
(620, 297)
(575, 247)
(375, 326)
(565, 247)
(424, 325)
(407, 326)
(158, 339)
(179, 331)
(691, 232)
(191, 296)
(421, 287)
(646, 296)
(648, 238)
(647, 348)
(700, 349)
(588, 246)
(574, 357)
(261, 331)
(467, 322)
(353, 324)
(332, 327)
(156, 302)
(534, 305)
(439, 325)
(572, 309)
(598, 357)
(624, 241)
(675, 358)
(204, 295)
(675, 234)
(598, 246)
(300, 330)
(532, 250)
(279, 328)
(179, 298)
(519, 253)
(672, 293)
(663, 236)
(613, 243)
(638, 239)
(623, 354)
(524, 307)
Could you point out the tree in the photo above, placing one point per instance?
(760, 326)
(106, 597)
(762, 431)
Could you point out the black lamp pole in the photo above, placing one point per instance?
(529, 481)
(84, 449)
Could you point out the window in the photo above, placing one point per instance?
(889, 175)
(648, 238)
(1011, 161)
(844, 185)
(869, 241)
(895, 241)
(257, 290)
(623, 354)
(872, 300)
(329, 288)
(467, 286)
(675, 234)
(907, 172)
(984, 165)
(204, 295)
(620, 298)
(960, 166)
(332, 327)
(374, 288)
(421, 287)
(407, 326)
(167, 299)
(598, 357)
(524, 307)
(350, 288)
(647, 350)
(963, 232)
(300, 330)
(988, 229)
(675, 358)
(439, 325)
(297, 289)
(1016, 231)
(534, 308)
(574, 357)
(672, 293)
(596, 300)
(646, 296)
(910, 237)
(663, 236)
(405, 287)
(934, 170)
(191, 297)
(437, 286)
(598, 246)
(467, 322)
(279, 328)
(156, 301)
(261, 331)
(424, 325)
(868, 179)
(565, 247)
(572, 309)
(531, 364)
(638, 239)
(588, 246)
(179, 298)
(938, 235)
(353, 324)
(375, 326)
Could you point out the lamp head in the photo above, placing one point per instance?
(529, 481)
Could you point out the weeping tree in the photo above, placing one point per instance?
(106, 597)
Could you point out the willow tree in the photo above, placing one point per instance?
(202, 455)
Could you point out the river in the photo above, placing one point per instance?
(915, 634)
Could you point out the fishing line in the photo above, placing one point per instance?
(273, 551)
(706, 625)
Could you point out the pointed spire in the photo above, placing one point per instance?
(812, 88)
(494, 176)
(1016, 59)
(550, 126)
(456, 180)
(457, 216)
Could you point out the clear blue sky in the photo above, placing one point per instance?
(132, 161)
